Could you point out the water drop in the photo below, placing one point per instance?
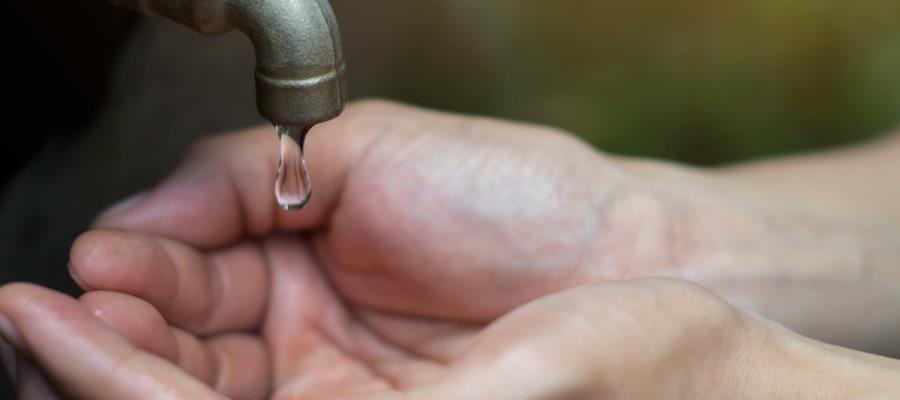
(292, 185)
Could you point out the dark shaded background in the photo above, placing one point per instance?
(102, 103)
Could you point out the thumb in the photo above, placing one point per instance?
(224, 188)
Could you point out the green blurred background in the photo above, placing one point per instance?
(699, 81)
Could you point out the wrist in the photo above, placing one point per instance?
(848, 183)
(839, 275)
(773, 362)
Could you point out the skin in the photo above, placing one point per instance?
(446, 257)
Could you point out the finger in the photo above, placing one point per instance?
(242, 366)
(225, 186)
(223, 290)
(83, 356)
(134, 319)
(237, 366)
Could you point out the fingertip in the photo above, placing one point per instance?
(134, 319)
(94, 248)
(87, 257)
(119, 261)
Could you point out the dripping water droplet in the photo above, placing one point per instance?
(292, 185)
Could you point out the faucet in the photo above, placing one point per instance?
(299, 60)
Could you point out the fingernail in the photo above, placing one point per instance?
(123, 205)
(9, 333)
(8, 357)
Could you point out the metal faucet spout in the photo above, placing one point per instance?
(299, 61)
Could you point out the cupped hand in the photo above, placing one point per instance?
(410, 208)
(416, 211)
(424, 229)
(642, 339)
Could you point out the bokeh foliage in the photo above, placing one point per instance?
(700, 81)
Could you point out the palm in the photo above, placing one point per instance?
(422, 251)
(463, 220)
(322, 346)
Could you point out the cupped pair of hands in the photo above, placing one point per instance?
(441, 257)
